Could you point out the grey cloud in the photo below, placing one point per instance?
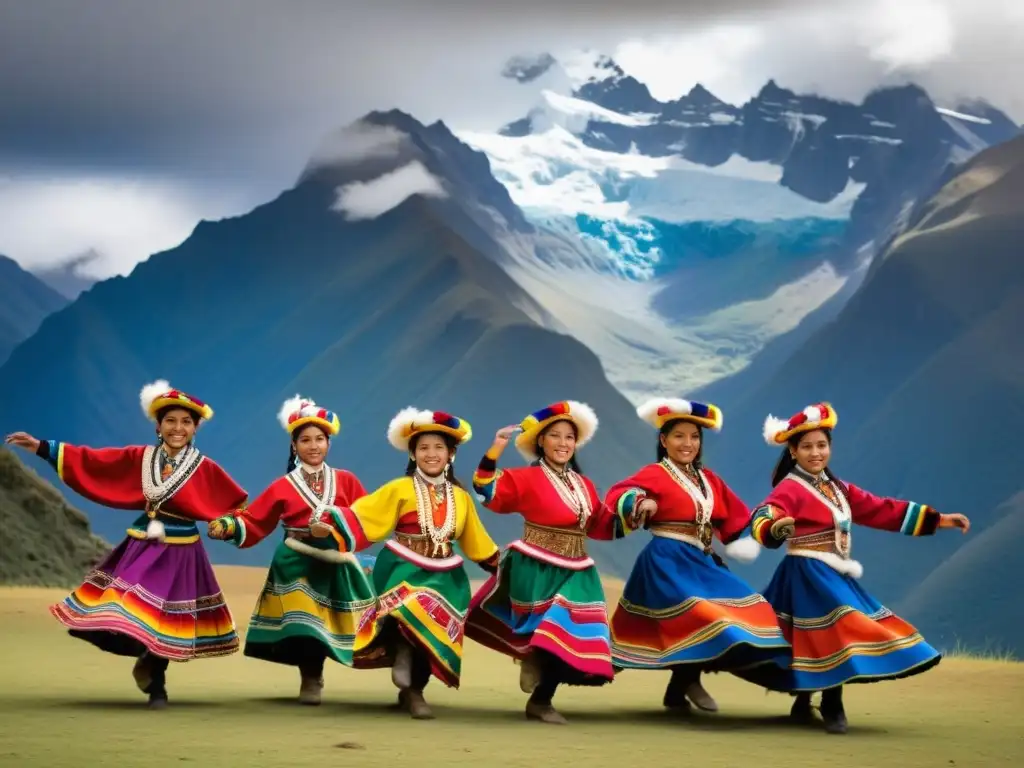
(215, 84)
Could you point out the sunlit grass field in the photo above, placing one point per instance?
(63, 703)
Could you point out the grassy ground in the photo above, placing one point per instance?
(63, 703)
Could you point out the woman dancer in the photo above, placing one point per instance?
(545, 606)
(314, 595)
(839, 633)
(155, 596)
(417, 625)
(681, 608)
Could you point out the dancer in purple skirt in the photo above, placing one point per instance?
(155, 597)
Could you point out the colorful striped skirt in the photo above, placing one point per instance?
(679, 606)
(306, 598)
(532, 605)
(148, 595)
(428, 608)
(839, 633)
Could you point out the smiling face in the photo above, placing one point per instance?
(431, 454)
(558, 443)
(311, 445)
(812, 452)
(176, 428)
(682, 442)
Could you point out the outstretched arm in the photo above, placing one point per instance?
(368, 520)
(895, 515)
(247, 528)
(108, 476)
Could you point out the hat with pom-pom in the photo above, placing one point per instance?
(297, 412)
(817, 416)
(160, 394)
(410, 422)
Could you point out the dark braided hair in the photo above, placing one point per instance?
(449, 473)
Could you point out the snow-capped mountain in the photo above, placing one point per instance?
(685, 235)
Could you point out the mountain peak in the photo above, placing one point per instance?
(771, 91)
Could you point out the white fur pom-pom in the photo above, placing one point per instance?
(586, 421)
(400, 423)
(813, 413)
(290, 406)
(743, 550)
(155, 530)
(772, 427)
(151, 392)
(854, 569)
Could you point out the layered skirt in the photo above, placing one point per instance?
(548, 605)
(426, 607)
(838, 632)
(680, 606)
(152, 596)
(309, 596)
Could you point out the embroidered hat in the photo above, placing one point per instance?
(659, 411)
(410, 422)
(580, 414)
(817, 416)
(160, 394)
(298, 411)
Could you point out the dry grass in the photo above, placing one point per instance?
(62, 703)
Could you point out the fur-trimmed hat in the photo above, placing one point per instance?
(160, 394)
(298, 411)
(410, 422)
(659, 411)
(817, 416)
(580, 414)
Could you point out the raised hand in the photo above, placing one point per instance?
(955, 521)
(503, 435)
(23, 440)
(783, 528)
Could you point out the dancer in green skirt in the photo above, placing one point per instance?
(314, 595)
(417, 626)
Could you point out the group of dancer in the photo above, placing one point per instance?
(156, 598)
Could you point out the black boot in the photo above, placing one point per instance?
(157, 688)
(675, 692)
(832, 711)
(802, 711)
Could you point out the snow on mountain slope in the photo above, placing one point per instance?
(554, 171)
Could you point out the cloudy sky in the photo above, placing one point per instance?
(124, 122)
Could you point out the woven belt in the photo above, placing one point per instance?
(564, 542)
(297, 533)
(820, 542)
(423, 546)
(700, 534)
